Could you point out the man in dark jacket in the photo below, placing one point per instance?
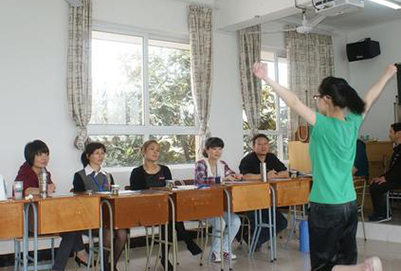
(250, 168)
(388, 181)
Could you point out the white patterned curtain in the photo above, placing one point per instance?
(310, 60)
(79, 83)
(200, 38)
(249, 53)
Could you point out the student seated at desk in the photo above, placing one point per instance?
(390, 180)
(36, 159)
(94, 178)
(212, 166)
(152, 174)
(250, 168)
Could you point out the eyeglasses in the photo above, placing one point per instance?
(315, 97)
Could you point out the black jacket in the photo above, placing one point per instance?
(393, 173)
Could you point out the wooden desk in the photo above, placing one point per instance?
(147, 208)
(249, 196)
(291, 192)
(12, 219)
(65, 214)
(198, 204)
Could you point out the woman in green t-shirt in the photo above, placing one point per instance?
(333, 215)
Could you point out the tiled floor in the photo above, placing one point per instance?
(288, 260)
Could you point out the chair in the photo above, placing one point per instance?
(18, 257)
(360, 189)
(294, 215)
(245, 224)
(394, 194)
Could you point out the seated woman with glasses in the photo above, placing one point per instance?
(212, 166)
(95, 179)
(36, 160)
(152, 174)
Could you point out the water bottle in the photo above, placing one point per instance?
(303, 236)
(43, 183)
(18, 188)
(263, 172)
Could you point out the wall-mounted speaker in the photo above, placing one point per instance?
(365, 49)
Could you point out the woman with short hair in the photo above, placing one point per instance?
(36, 160)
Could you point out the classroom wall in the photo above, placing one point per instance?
(363, 74)
(33, 102)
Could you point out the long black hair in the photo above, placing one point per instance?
(342, 94)
(89, 149)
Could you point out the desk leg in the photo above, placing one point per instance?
(111, 234)
(166, 245)
(221, 242)
(90, 250)
(228, 228)
(271, 234)
(274, 243)
(174, 239)
(101, 239)
(25, 242)
(253, 241)
(35, 236)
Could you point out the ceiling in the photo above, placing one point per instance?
(372, 14)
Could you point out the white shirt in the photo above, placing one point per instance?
(89, 170)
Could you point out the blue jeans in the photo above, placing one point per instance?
(234, 227)
(332, 235)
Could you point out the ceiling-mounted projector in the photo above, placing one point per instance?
(337, 7)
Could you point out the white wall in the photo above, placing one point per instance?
(363, 74)
(33, 101)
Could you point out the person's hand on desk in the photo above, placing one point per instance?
(51, 188)
(378, 180)
(234, 177)
(272, 174)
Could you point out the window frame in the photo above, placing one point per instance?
(146, 129)
(280, 132)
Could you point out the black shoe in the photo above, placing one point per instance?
(378, 218)
(258, 247)
(79, 262)
(194, 248)
(169, 265)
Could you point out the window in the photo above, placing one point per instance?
(273, 119)
(142, 90)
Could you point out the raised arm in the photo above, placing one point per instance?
(375, 91)
(260, 71)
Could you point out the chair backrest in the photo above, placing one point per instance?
(360, 189)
